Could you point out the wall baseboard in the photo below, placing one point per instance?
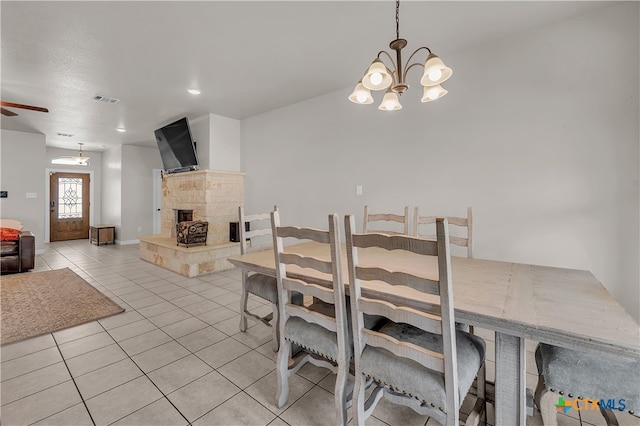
(127, 242)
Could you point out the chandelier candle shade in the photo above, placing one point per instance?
(380, 77)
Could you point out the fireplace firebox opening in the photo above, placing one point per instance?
(184, 216)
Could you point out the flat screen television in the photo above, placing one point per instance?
(177, 148)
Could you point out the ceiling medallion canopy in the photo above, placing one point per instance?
(379, 77)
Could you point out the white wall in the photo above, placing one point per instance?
(22, 163)
(137, 192)
(218, 142)
(225, 143)
(539, 134)
(200, 132)
(112, 188)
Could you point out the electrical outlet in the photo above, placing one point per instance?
(358, 189)
(139, 228)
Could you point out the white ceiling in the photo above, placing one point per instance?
(246, 57)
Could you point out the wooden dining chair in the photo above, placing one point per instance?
(264, 286)
(320, 329)
(418, 358)
(611, 382)
(422, 222)
(424, 227)
(386, 217)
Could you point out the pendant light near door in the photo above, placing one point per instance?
(79, 160)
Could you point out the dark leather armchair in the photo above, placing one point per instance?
(19, 255)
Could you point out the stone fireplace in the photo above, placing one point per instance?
(209, 195)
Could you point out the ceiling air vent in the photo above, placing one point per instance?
(64, 135)
(106, 99)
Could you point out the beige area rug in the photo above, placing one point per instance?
(35, 303)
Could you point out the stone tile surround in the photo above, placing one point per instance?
(214, 196)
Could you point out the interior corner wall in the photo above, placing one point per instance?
(22, 164)
(218, 142)
(112, 188)
(529, 136)
(137, 192)
(200, 132)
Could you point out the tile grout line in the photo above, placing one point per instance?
(74, 383)
(148, 378)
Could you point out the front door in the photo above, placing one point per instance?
(69, 206)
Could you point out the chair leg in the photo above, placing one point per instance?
(276, 328)
(359, 409)
(340, 395)
(282, 370)
(243, 306)
(609, 417)
(480, 407)
(547, 405)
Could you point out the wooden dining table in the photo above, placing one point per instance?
(562, 307)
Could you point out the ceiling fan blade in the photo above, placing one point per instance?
(7, 112)
(29, 107)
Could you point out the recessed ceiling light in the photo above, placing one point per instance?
(194, 91)
(121, 129)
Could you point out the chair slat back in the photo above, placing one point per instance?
(259, 226)
(462, 222)
(388, 217)
(318, 278)
(436, 322)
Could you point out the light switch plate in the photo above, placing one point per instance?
(31, 195)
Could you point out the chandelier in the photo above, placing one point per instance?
(379, 77)
(79, 160)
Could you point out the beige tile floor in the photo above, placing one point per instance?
(175, 357)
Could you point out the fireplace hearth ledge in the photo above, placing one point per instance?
(190, 262)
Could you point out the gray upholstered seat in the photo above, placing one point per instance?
(319, 340)
(406, 376)
(578, 374)
(263, 286)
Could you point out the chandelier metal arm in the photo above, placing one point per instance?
(406, 70)
(407, 67)
(394, 72)
(416, 51)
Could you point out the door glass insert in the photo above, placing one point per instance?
(69, 198)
